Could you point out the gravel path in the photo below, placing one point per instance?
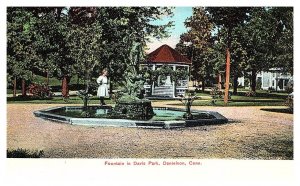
(250, 134)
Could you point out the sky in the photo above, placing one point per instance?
(180, 15)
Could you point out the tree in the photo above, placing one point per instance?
(238, 54)
(238, 58)
(199, 42)
(51, 43)
(228, 18)
(268, 40)
(126, 30)
(110, 37)
(20, 53)
(283, 19)
(85, 51)
(45, 46)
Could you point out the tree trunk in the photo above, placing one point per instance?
(110, 87)
(47, 79)
(203, 85)
(235, 84)
(47, 82)
(86, 94)
(219, 81)
(23, 87)
(15, 87)
(253, 80)
(65, 86)
(77, 83)
(227, 76)
(87, 82)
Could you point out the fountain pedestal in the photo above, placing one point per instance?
(137, 109)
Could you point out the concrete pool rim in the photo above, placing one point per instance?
(102, 122)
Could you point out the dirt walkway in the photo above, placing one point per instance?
(250, 134)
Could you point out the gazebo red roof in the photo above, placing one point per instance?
(166, 54)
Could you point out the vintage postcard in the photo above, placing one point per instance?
(152, 88)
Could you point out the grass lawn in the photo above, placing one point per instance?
(55, 100)
(239, 103)
(262, 98)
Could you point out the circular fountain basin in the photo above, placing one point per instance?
(165, 117)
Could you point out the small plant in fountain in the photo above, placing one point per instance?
(188, 100)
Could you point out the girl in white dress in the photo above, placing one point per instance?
(103, 86)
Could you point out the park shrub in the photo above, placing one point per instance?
(39, 91)
(24, 153)
(290, 102)
(290, 86)
(215, 94)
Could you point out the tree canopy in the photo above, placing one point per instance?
(67, 41)
(258, 38)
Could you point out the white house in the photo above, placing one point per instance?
(271, 79)
(274, 79)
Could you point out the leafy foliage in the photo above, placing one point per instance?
(66, 41)
(24, 153)
(262, 39)
(20, 39)
(197, 44)
(126, 30)
(39, 91)
(259, 38)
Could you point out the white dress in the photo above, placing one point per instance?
(103, 86)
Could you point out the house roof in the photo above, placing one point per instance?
(166, 54)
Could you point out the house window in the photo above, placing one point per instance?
(273, 83)
(266, 80)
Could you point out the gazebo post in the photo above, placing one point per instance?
(174, 88)
(189, 76)
(152, 89)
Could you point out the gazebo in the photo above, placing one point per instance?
(162, 57)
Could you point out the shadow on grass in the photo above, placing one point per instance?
(236, 103)
(26, 98)
(24, 153)
(266, 95)
(279, 110)
(276, 148)
(257, 101)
